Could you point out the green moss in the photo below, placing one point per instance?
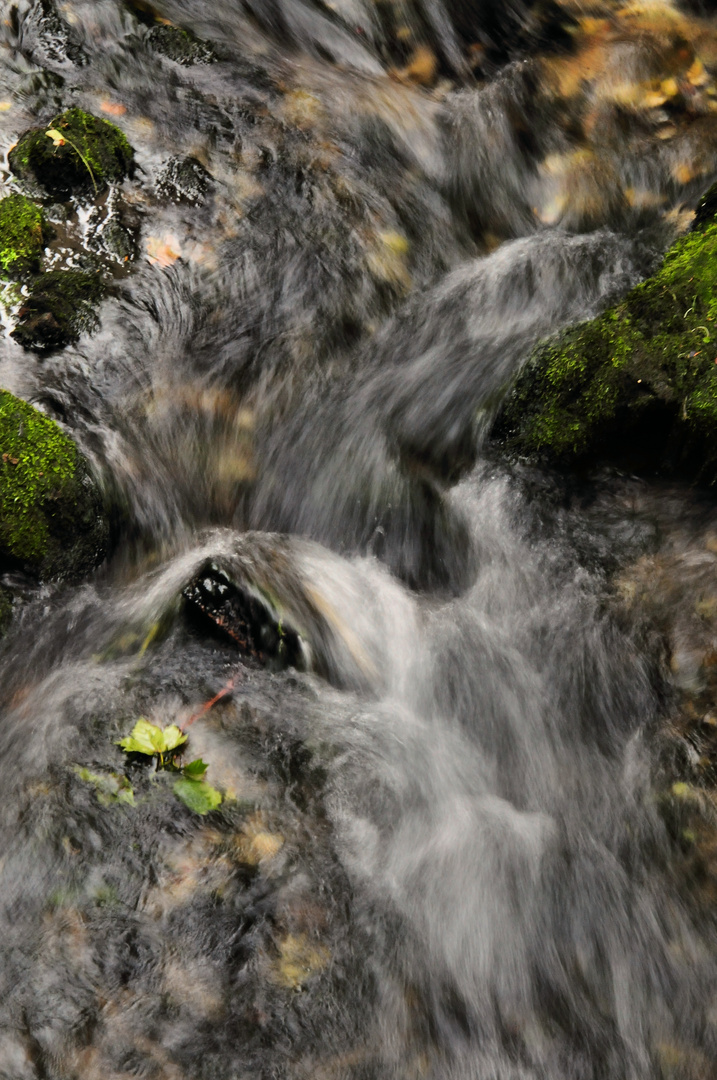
(94, 153)
(654, 353)
(23, 231)
(50, 513)
(62, 305)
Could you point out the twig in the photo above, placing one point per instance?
(225, 690)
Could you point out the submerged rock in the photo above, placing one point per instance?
(52, 521)
(245, 616)
(637, 384)
(85, 154)
(184, 180)
(180, 45)
(61, 306)
(23, 232)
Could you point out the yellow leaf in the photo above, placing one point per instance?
(56, 136)
(697, 74)
(5, 106)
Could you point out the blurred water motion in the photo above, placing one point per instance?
(440, 852)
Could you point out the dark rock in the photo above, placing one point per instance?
(180, 45)
(61, 306)
(244, 617)
(113, 229)
(56, 42)
(184, 180)
(52, 521)
(93, 152)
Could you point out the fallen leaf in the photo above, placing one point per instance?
(255, 844)
(298, 960)
(5, 106)
(56, 136)
(113, 108)
(163, 250)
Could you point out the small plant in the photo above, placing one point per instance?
(165, 744)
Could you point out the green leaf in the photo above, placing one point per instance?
(149, 739)
(173, 737)
(110, 787)
(197, 795)
(195, 770)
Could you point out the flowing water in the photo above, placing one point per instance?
(440, 853)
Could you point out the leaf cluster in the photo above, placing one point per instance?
(165, 744)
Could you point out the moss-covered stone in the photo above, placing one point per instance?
(23, 232)
(90, 154)
(51, 515)
(180, 45)
(62, 305)
(642, 377)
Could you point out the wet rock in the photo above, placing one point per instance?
(56, 42)
(184, 180)
(113, 229)
(247, 618)
(6, 602)
(87, 154)
(62, 305)
(637, 385)
(23, 233)
(52, 521)
(180, 45)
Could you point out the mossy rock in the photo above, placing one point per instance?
(61, 306)
(93, 154)
(638, 384)
(180, 45)
(23, 233)
(52, 521)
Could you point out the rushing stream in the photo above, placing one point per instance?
(440, 853)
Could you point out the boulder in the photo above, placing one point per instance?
(52, 520)
(638, 384)
(82, 153)
(62, 305)
(23, 234)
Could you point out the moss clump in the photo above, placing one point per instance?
(180, 45)
(645, 370)
(62, 305)
(51, 518)
(94, 152)
(23, 232)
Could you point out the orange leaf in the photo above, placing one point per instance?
(163, 250)
(113, 108)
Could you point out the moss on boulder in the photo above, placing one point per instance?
(23, 232)
(61, 306)
(52, 521)
(90, 154)
(639, 382)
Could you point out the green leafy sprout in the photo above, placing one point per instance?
(164, 743)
